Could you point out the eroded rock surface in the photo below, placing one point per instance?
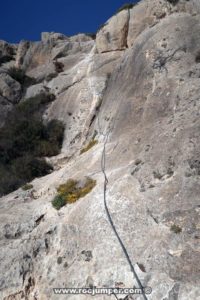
(147, 97)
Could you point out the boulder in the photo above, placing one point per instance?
(44, 72)
(52, 37)
(113, 34)
(36, 90)
(64, 49)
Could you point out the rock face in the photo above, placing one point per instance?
(7, 51)
(113, 35)
(10, 94)
(146, 96)
(21, 52)
(9, 88)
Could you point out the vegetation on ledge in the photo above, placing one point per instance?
(175, 228)
(89, 146)
(24, 142)
(174, 2)
(20, 76)
(27, 187)
(71, 191)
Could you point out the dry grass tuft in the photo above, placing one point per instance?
(71, 191)
(89, 146)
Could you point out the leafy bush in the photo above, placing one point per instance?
(157, 175)
(89, 146)
(50, 76)
(71, 191)
(126, 6)
(5, 59)
(197, 58)
(24, 140)
(174, 2)
(33, 105)
(45, 148)
(92, 35)
(17, 74)
(59, 66)
(58, 202)
(54, 132)
(8, 181)
(20, 76)
(175, 228)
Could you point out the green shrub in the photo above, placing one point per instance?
(52, 139)
(59, 66)
(27, 187)
(50, 76)
(174, 2)
(45, 148)
(17, 74)
(24, 141)
(28, 167)
(8, 181)
(39, 167)
(20, 76)
(197, 58)
(89, 146)
(92, 35)
(71, 191)
(157, 175)
(55, 131)
(5, 59)
(94, 134)
(175, 228)
(126, 6)
(58, 202)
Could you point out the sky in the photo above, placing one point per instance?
(26, 19)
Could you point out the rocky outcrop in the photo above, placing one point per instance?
(7, 52)
(120, 31)
(36, 90)
(21, 52)
(9, 88)
(150, 12)
(113, 35)
(144, 101)
(52, 37)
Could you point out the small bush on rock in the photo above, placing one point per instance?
(92, 35)
(24, 141)
(174, 2)
(58, 202)
(27, 187)
(89, 146)
(20, 76)
(176, 229)
(71, 191)
(5, 59)
(197, 58)
(59, 66)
